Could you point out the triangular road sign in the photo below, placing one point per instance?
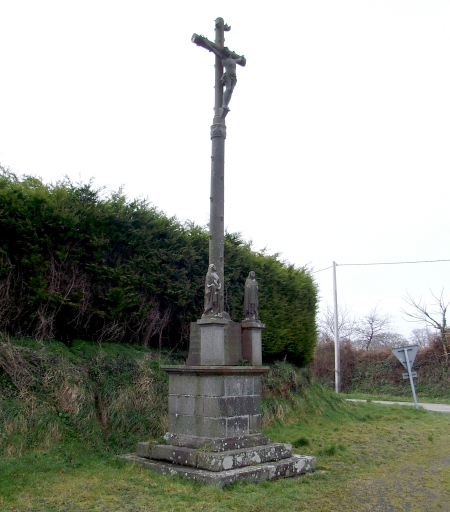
(411, 350)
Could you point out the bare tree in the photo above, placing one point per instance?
(426, 313)
(326, 325)
(421, 336)
(389, 339)
(372, 329)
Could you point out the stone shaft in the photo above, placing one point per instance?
(217, 200)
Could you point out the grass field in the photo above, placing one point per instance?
(370, 458)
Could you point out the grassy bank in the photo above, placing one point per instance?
(110, 396)
(66, 413)
(105, 396)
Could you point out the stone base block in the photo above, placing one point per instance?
(207, 342)
(293, 466)
(214, 430)
(221, 461)
(215, 341)
(252, 342)
(214, 403)
(216, 444)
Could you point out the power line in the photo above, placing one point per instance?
(380, 263)
(336, 342)
(317, 271)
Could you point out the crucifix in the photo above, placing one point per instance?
(225, 76)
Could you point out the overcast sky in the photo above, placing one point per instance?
(337, 141)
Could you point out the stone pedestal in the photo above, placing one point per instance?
(215, 407)
(269, 462)
(215, 341)
(214, 429)
(252, 342)
(214, 433)
(207, 343)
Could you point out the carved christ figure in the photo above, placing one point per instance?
(229, 76)
(212, 291)
(251, 298)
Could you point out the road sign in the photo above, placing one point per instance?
(411, 350)
(406, 356)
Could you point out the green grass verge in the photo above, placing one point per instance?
(369, 458)
(393, 398)
(66, 413)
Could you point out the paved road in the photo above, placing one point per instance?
(429, 407)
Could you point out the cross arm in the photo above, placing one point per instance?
(213, 47)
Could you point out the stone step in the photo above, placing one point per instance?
(216, 444)
(217, 461)
(293, 466)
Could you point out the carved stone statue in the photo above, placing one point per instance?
(229, 76)
(212, 293)
(251, 298)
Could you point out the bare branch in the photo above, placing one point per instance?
(326, 325)
(372, 328)
(421, 312)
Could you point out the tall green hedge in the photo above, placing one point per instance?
(78, 263)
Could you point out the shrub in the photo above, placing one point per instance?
(77, 263)
(380, 372)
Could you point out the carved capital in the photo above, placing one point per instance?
(218, 130)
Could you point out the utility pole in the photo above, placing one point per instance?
(337, 350)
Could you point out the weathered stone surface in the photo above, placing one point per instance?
(228, 406)
(212, 342)
(204, 426)
(143, 450)
(252, 342)
(194, 345)
(237, 426)
(214, 370)
(216, 444)
(232, 344)
(175, 454)
(239, 385)
(220, 461)
(214, 429)
(214, 402)
(205, 385)
(293, 466)
(254, 424)
(185, 404)
(232, 459)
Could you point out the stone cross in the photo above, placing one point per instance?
(227, 59)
